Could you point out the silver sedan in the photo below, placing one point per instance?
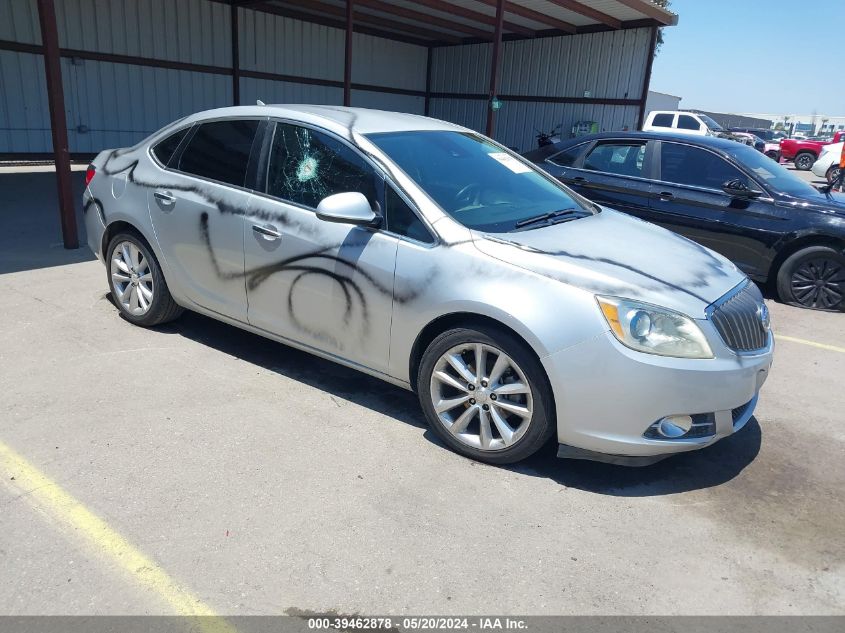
(434, 258)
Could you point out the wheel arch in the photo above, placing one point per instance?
(800, 243)
(453, 320)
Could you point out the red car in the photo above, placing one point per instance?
(804, 153)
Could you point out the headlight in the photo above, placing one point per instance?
(654, 330)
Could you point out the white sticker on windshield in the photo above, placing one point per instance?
(510, 162)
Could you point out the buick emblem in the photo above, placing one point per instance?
(763, 315)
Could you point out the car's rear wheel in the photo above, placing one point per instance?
(832, 174)
(773, 155)
(804, 161)
(137, 283)
(485, 395)
(813, 277)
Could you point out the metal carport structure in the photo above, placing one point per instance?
(78, 76)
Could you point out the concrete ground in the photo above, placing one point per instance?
(145, 471)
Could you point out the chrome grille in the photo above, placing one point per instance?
(738, 319)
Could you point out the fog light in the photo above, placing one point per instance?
(674, 426)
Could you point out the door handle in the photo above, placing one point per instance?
(579, 180)
(268, 231)
(666, 196)
(164, 197)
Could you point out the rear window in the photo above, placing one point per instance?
(220, 150)
(567, 156)
(163, 150)
(663, 120)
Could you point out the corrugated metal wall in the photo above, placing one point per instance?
(595, 66)
(115, 104)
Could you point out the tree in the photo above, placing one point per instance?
(664, 4)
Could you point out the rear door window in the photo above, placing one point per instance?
(622, 158)
(687, 165)
(163, 150)
(663, 120)
(220, 150)
(686, 122)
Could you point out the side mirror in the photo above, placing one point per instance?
(738, 189)
(350, 207)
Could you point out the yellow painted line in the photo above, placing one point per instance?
(70, 514)
(792, 339)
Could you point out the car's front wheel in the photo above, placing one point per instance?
(813, 277)
(137, 283)
(804, 161)
(486, 395)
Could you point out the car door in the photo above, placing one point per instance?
(687, 197)
(197, 212)
(613, 173)
(325, 285)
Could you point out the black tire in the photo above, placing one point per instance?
(832, 174)
(797, 276)
(541, 425)
(162, 307)
(775, 156)
(804, 161)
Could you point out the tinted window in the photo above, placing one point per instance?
(163, 150)
(307, 166)
(401, 219)
(220, 151)
(567, 156)
(475, 181)
(686, 122)
(686, 165)
(617, 158)
(663, 120)
(775, 176)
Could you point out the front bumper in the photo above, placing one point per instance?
(607, 395)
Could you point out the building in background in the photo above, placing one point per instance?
(128, 67)
(729, 120)
(661, 101)
(808, 124)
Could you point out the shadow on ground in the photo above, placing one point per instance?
(30, 233)
(709, 467)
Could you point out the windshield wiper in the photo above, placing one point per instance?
(548, 217)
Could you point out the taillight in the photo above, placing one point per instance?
(89, 174)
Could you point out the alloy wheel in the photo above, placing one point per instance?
(819, 283)
(481, 396)
(132, 278)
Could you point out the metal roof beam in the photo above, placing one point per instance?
(589, 12)
(536, 16)
(651, 10)
(425, 18)
(482, 18)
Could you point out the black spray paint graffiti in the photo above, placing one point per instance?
(302, 265)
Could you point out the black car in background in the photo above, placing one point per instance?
(769, 136)
(719, 193)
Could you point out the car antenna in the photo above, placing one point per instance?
(259, 102)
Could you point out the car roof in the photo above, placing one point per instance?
(339, 119)
(693, 139)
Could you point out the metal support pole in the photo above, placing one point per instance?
(58, 122)
(494, 65)
(428, 81)
(236, 58)
(347, 67)
(647, 77)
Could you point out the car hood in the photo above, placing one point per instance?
(614, 254)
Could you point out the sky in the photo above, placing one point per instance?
(766, 56)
